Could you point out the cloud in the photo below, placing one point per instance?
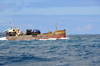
(55, 11)
(16, 5)
(0, 6)
(84, 29)
(5, 6)
(50, 7)
(30, 26)
(36, 0)
(1, 21)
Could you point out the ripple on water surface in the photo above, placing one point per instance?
(78, 50)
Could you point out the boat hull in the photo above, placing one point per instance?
(56, 34)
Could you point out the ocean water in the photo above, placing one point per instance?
(75, 50)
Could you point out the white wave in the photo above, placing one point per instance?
(54, 38)
(48, 39)
(65, 38)
(3, 38)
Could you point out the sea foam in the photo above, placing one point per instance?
(3, 38)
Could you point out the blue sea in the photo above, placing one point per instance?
(75, 50)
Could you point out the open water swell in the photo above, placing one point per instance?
(78, 50)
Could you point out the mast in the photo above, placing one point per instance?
(56, 26)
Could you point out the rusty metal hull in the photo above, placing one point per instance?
(56, 34)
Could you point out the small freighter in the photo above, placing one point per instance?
(16, 34)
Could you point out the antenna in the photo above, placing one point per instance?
(56, 26)
(11, 25)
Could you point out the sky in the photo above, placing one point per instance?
(76, 16)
